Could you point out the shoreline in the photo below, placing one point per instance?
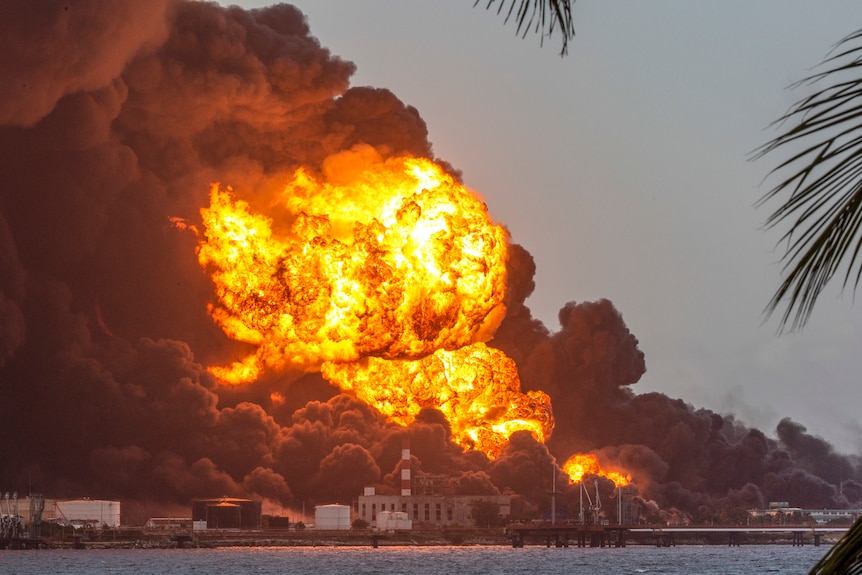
(498, 537)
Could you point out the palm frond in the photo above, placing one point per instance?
(822, 195)
(542, 16)
(845, 557)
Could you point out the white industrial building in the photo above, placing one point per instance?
(393, 521)
(781, 513)
(424, 501)
(430, 510)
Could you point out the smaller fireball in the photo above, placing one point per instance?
(476, 387)
(581, 464)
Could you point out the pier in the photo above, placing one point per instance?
(565, 535)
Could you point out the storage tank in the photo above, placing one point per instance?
(332, 517)
(227, 513)
(224, 515)
(95, 512)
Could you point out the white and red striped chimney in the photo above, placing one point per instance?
(406, 480)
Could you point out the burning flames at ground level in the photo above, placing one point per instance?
(581, 464)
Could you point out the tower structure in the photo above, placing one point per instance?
(406, 479)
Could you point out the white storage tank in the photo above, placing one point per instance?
(332, 517)
(93, 512)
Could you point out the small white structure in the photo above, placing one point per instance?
(332, 517)
(392, 520)
(168, 523)
(92, 512)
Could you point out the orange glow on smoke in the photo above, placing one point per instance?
(387, 276)
(476, 387)
(581, 464)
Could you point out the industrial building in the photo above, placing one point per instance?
(226, 513)
(428, 510)
(393, 520)
(425, 504)
(780, 512)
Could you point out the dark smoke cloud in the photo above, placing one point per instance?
(688, 462)
(814, 454)
(54, 48)
(117, 116)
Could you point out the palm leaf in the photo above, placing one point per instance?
(845, 558)
(543, 16)
(822, 194)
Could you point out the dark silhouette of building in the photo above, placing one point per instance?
(227, 513)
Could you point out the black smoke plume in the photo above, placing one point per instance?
(117, 116)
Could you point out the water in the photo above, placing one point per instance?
(687, 560)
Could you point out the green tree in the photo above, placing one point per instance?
(486, 513)
(820, 198)
(820, 184)
(359, 523)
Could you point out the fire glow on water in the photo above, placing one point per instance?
(387, 276)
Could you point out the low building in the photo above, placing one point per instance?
(824, 516)
(169, 523)
(275, 522)
(780, 512)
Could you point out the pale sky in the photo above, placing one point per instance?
(623, 168)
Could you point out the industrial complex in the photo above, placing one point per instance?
(423, 502)
(426, 503)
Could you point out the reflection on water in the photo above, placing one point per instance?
(688, 560)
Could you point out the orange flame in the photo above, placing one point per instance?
(581, 464)
(388, 276)
(398, 264)
(476, 387)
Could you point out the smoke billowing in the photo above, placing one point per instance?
(117, 117)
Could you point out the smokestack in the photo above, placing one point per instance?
(405, 469)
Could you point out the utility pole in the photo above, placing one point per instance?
(620, 504)
(581, 506)
(553, 496)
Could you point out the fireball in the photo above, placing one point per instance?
(397, 264)
(476, 387)
(581, 464)
(386, 275)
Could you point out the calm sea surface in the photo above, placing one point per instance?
(687, 559)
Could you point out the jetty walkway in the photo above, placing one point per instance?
(564, 535)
